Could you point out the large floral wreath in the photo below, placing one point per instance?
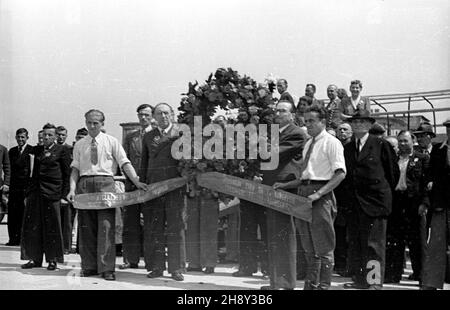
(226, 89)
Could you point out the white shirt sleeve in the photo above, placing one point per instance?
(119, 153)
(76, 157)
(336, 155)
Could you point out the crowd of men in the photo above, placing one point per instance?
(372, 196)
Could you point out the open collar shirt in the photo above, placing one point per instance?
(111, 155)
(326, 158)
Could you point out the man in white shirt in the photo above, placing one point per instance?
(96, 158)
(323, 168)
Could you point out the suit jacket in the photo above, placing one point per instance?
(69, 149)
(157, 163)
(20, 167)
(440, 176)
(133, 148)
(416, 177)
(5, 166)
(347, 107)
(288, 97)
(51, 172)
(291, 143)
(334, 114)
(372, 175)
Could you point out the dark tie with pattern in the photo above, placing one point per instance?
(307, 156)
(358, 147)
(94, 152)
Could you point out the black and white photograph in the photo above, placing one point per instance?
(230, 146)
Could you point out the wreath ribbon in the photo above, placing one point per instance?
(264, 195)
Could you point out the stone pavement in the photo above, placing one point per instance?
(12, 277)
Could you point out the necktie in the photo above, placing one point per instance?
(94, 152)
(358, 147)
(448, 155)
(307, 156)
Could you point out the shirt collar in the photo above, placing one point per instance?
(444, 143)
(90, 138)
(165, 131)
(322, 134)
(283, 128)
(355, 102)
(363, 139)
(50, 147)
(21, 149)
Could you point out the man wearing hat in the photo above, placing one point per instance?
(437, 253)
(372, 174)
(424, 134)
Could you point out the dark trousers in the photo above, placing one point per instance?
(436, 263)
(132, 235)
(96, 228)
(341, 249)
(252, 250)
(282, 246)
(318, 237)
(367, 246)
(67, 217)
(301, 258)
(201, 232)
(403, 229)
(232, 236)
(41, 230)
(16, 207)
(164, 221)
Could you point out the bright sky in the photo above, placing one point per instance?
(60, 58)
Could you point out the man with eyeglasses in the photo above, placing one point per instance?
(132, 230)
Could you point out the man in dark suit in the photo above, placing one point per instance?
(437, 258)
(340, 225)
(281, 230)
(424, 134)
(282, 86)
(19, 157)
(356, 102)
(409, 205)
(163, 216)
(67, 210)
(310, 91)
(5, 175)
(372, 174)
(132, 230)
(333, 108)
(5, 170)
(42, 233)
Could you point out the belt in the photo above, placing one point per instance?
(312, 182)
(96, 176)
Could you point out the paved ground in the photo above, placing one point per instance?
(66, 277)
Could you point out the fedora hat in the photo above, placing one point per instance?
(362, 114)
(377, 129)
(447, 122)
(425, 127)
